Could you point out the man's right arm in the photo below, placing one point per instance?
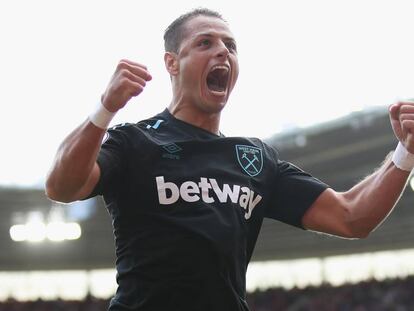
(74, 172)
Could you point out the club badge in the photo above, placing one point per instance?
(250, 159)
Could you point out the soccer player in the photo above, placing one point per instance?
(187, 203)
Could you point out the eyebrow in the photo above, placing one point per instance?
(206, 34)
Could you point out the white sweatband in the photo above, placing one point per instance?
(101, 117)
(403, 159)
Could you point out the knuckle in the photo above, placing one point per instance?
(123, 81)
(137, 92)
(123, 72)
(122, 64)
(139, 87)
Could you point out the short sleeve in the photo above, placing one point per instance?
(111, 160)
(293, 194)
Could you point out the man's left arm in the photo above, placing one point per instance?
(358, 211)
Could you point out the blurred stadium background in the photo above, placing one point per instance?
(61, 257)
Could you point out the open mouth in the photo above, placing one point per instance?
(218, 78)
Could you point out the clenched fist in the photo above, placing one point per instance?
(128, 81)
(402, 122)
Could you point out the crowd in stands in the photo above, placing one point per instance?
(391, 295)
(89, 304)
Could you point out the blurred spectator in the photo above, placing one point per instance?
(390, 295)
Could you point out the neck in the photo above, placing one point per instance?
(193, 114)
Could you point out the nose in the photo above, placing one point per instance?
(222, 50)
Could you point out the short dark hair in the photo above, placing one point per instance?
(174, 33)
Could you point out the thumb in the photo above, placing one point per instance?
(394, 111)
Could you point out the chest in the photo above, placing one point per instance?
(209, 172)
(215, 189)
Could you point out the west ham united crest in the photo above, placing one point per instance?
(250, 159)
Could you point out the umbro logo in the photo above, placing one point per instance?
(172, 151)
(172, 148)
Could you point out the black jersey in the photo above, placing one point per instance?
(187, 207)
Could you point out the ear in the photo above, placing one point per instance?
(171, 63)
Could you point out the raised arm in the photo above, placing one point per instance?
(358, 211)
(74, 172)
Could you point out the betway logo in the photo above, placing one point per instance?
(190, 191)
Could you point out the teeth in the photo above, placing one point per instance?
(217, 79)
(220, 67)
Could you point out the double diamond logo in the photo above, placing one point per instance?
(172, 151)
(172, 148)
(250, 159)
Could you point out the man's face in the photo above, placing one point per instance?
(208, 65)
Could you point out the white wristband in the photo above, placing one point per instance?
(101, 117)
(403, 159)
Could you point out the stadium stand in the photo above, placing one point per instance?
(390, 295)
(339, 152)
